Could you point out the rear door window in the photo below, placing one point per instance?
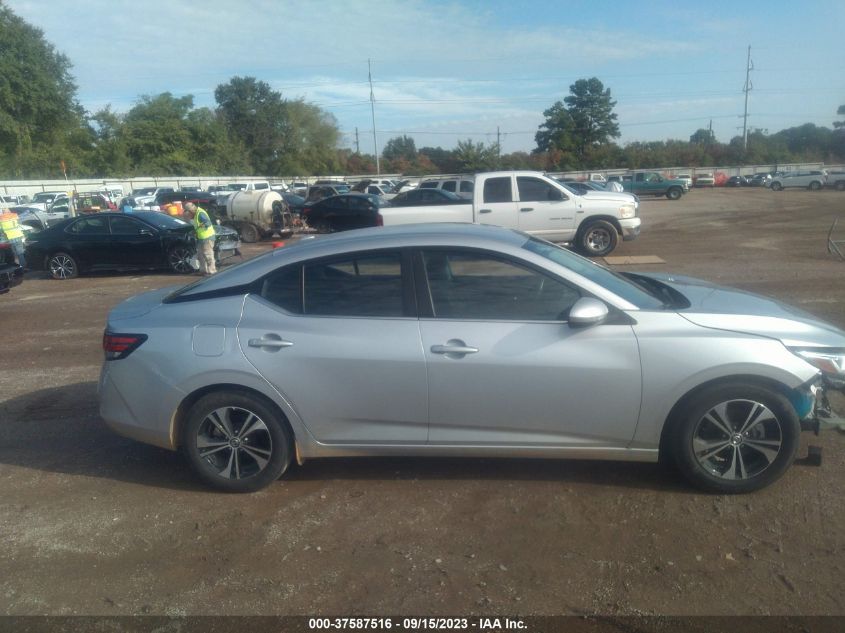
(498, 190)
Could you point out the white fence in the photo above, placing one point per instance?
(31, 187)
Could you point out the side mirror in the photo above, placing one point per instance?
(586, 312)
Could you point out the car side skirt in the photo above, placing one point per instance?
(316, 450)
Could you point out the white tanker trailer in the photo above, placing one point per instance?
(258, 214)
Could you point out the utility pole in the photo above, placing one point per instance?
(373, 111)
(749, 66)
(498, 147)
(357, 145)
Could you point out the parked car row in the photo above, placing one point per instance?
(120, 241)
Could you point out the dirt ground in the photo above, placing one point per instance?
(96, 524)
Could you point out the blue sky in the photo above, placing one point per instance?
(446, 71)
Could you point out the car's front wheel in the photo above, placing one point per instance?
(598, 238)
(776, 186)
(735, 438)
(236, 441)
(62, 266)
(179, 259)
(815, 185)
(674, 193)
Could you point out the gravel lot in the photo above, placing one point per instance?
(96, 524)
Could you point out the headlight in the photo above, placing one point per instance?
(830, 361)
(627, 211)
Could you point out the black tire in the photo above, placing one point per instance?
(749, 457)
(61, 265)
(776, 186)
(236, 442)
(598, 238)
(674, 193)
(249, 233)
(815, 185)
(179, 259)
(840, 185)
(323, 227)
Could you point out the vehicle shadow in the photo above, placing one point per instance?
(59, 430)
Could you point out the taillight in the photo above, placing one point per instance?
(379, 219)
(118, 346)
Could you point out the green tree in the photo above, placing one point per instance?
(158, 141)
(557, 131)
(40, 120)
(254, 114)
(703, 136)
(591, 110)
(840, 111)
(400, 147)
(472, 157)
(309, 141)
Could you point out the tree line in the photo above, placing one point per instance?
(254, 130)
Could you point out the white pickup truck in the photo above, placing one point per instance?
(534, 203)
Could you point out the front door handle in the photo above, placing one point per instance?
(526, 209)
(453, 347)
(485, 210)
(275, 343)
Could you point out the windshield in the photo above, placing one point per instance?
(146, 191)
(617, 284)
(235, 186)
(43, 197)
(160, 220)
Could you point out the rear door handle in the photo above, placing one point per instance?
(485, 210)
(526, 209)
(276, 343)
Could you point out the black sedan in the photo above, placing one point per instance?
(344, 212)
(117, 241)
(426, 197)
(737, 181)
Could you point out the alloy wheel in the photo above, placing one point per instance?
(234, 442)
(62, 266)
(737, 439)
(598, 240)
(180, 259)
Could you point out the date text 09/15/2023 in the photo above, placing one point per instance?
(417, 624)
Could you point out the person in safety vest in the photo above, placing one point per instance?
(205, 237)
(11, 230)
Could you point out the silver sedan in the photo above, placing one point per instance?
(463, 340)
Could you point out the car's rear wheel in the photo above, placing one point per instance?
(840, 185)
(179, 259)
(236, 442)
(735, 438)
(62, 266)
(598, 238)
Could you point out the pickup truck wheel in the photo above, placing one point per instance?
(776, 186)
(249, 233)
(815, 185)
(598, 239)
(735, 438)
(674, 193)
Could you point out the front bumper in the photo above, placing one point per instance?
(630, 228)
